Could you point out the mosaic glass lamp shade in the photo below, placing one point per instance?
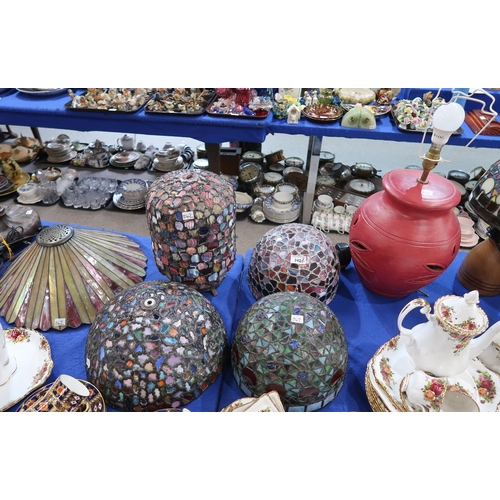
(66, 276)
(155, 345)
(485, 197)
(191, 216)
(295, 258)
(293, 344)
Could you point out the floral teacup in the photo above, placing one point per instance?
(426, 393)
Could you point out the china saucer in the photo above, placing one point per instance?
(125, 204)
(31, 350)
(95, 399)
(62, 159)
(391, 363)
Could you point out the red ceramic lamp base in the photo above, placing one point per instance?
(480, 269)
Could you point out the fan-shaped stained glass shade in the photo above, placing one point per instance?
(66, 276)
(293, 344)
(294, 258)
(155, 345)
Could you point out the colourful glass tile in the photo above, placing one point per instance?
(273, 349)
(178, 350)
(294, 258)
(192, 220)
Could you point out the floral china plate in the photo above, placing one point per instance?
(31, 352)
(267, 402)
(391, 364)
(94, 399)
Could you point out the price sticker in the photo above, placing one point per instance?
(299, 259)
(297, 318)
(188, 215)
(60, 322)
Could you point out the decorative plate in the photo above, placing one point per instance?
(125, 204)
(322, 112)
(133, 186)
(19, 181)
(391, 363)
(42, 92)
(31, 351)
(95, 399)
(125, 157)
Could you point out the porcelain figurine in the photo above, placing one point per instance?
(293, 114)
(445, 344)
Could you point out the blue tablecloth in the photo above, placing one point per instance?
(17, 108)
(369, 320)
(68, 346)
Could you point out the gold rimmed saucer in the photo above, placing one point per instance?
(94, 400)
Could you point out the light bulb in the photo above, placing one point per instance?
(446, 119)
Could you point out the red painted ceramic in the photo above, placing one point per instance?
(404, 237)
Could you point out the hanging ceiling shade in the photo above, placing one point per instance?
(65, 277)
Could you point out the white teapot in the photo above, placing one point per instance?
(446, 343)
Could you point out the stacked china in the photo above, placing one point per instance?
(131, 194)
(29, 193)
(168, 160)
(59, 150)
(282, 207)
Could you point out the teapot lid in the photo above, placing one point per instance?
(461, 314)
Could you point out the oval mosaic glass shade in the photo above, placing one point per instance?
(293, 344)
(295, 258)
(191, 216)
(66, 276)
(155, 345)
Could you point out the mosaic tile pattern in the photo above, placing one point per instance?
(294, 258)
(155, 345)
(191, 216)
(293, 344)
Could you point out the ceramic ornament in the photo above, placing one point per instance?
(191, 216)
(155, 345)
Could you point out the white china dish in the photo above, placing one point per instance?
(31, 352)
(391, 363)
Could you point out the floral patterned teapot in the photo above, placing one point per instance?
(445, 344)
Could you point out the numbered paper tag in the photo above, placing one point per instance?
(299, 259)
(188, 215)
(60, 322)
(297, 318)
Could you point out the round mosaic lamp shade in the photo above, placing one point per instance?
(191, 216)
(295, 258)
(155, 345)
(293, 344)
